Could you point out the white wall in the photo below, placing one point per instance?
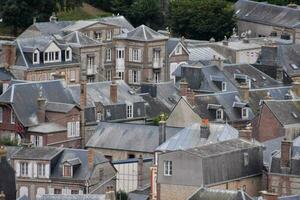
(127, 176)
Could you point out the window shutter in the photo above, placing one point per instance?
(32, 139)
(30, 169)
(77, 128)
(34, 169)
(139, 76)
(69, 126)
(41, 141)
(140, 54)
(130, 76)
(47, 170)
(51, 190)
(130, 54)
(17, 169)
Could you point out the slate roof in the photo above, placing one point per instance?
(23, 98)
(78, 39)
(189, 137)
(292, 197)
(100, 92)
(129, 137)
(287, 55)
(271, 147)
(59, 107)
(203, 53)
(73, 197)
(120, 21)
(6, 75)
(37, 153)
(219, 194)
(268, 14)
(83, 172)
(142, 34)
(48, 127)
(154, 107)
(286, 111)
(78, 25)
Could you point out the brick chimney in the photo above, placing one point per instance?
(190, 96)
(83, 94)
(82, 102)
(218, 62)
(9, 54)
(110, 193)
(140, 172)
(286, 153)
(268, 195)
(162, 129)
(41, 106)
(244, 88)
(296, 87)
(91, 158)
(246, 133)
(204, 129)
(183, 87)
(114, 91)
(2, 195)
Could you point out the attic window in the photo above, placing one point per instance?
(67, 170)
(294, 66)
(219, 114)
(68, 54)
(178, 50)
(224, 86)
(263, 77)
(245, 113)
(294, 115)
(36, 57)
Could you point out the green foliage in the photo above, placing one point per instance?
(8, 142)
(201, 19)
(161, 116)
(121, 195)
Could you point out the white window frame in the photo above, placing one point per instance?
(120, 53)
(135, 55)
(221, 114)
(70, 54)
(36, 140)
(156, 55)
(51, 56)
(37, 53)
(41, 170)
(12, 117)
(98, 116)
(98, 36)
(73, 129)
(108, 75)
(135, 76)
(108, 55)
(1, 114)
(168, 168)
(245, 113)
(224, 86)
(24, 169)
(108, 35)
(129, 110)
(72, 75)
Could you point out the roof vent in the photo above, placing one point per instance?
(294, 115)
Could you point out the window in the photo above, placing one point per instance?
(57, 191)
(121, 75)
(68, 54)
(67, 170)
(224, 86)
(91, 61)
(108, 55)
(74, 192)
(99, 117)
(156, 55)
(36, 140)
(135, 55)
(46, 56)
(135, 76)
(56, 55)
(178, 50)
(52, 56)
(108, 75)
(90, 79)
(246, 159)
(219, 114)
(1, 114)
(12, 117)
(73, 129)
(36, 57)
(24, 169)
(108, 34)
(129, 110)
(41, 170)
(131, 156)
(167, 168)
(157, 77)
(244, 113)
(120, 54)
(72, 75)
(98, 35)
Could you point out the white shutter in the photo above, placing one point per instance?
(47, 170)
(130, 76)
(80, 192)
(30, 169)
(41, 143)
(130, 54)
(17, 168)
(140, 54)
(34, 169)
(32, 139)
(69, 127)
(77, 128)
(51, 190)
(139, 76)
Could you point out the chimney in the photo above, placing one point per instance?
(268, 96)
(114, 91)
(41, 106)
(296, 87)
(182, 40)
(162, 129)
(286, 153)
(110, 193)
(2, 195)
(190, 96)
(204, 129)
(140, 172)
(244, 88)
(183, 87)
(218, 62)
(268, 195)
(83, 94)
(91, 158)
(246, 133)
(8, 54)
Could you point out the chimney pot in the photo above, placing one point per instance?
(162, 129)
(41, 103)
(204, 129)
(246, 133)
(244, 87)
(83, 94)
(190, 96)
(114, 92)
(183, 87)
(91, 158)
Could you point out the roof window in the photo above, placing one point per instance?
(294, 66)
(294, 115)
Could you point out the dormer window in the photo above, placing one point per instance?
(219, 114)
(224, 86)
(36, 57)
(108, 35)
(178, 50)
(67, 170)
(245, 113)
(52, 53)
(68, 54)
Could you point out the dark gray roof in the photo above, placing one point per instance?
(143, 34)
(48, 127)
(23, 98)
(73, 197)
(219, 194)
(5, 75)
(154, 107)
(100, 92)
(82, 172)
(203, 53)
(171, 44)
(120, 21)
(286, 111)
(130, 137)
(292, 197)
(287, 55)
(59, 107)
(37, 153)
(139, 194)
(271, 147)
(189, 137)
(78, 39)
(220, 148)
(268, 14)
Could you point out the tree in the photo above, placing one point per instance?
(201, 19)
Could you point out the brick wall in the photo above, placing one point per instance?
(175, 192)
(284, 185)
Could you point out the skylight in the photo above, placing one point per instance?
(294, 115)
(294, 66)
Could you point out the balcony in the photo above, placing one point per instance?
(157, 63)
(91, 70)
